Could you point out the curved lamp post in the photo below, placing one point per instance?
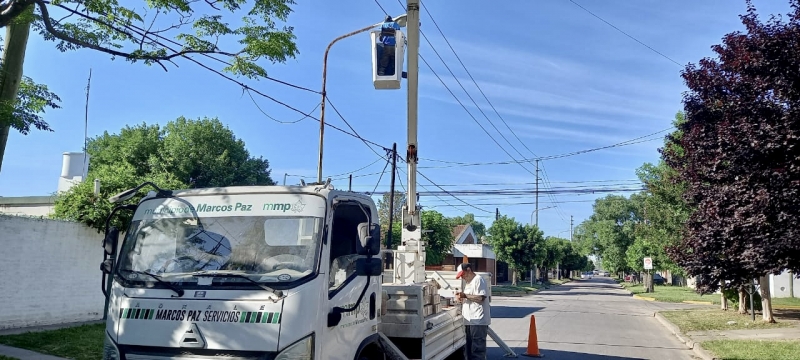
(400, 20)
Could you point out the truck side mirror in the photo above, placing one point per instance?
(106, 266)
(369, 236)
(110, 241)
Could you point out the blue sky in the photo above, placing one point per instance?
(561, 79)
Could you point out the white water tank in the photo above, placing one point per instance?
(73, 169)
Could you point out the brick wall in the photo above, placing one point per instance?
(50, 272)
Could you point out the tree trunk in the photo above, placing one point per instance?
(514, 277)
(742, 300)
(723, 301)
(11, 71)
(558, 271)
(766, 300)
(650, 287)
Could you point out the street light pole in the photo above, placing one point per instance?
(536, 211)
(399, 21)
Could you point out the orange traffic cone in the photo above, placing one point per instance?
(533, 341)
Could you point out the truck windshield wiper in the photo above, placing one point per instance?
(170, 285)
(211, 273)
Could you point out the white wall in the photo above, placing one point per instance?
(779, 285)
(49, 273)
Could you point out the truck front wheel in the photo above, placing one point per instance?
(371, 352)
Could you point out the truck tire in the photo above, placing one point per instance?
(371, 352)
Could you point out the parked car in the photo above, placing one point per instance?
(658, 279)
(587, 275)
(606, 273)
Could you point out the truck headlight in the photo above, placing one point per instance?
(110, 351)
(300, 350)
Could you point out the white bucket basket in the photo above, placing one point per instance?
(390, 81)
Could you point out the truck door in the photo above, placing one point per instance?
(342, 341)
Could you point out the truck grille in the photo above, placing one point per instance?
(150, 353)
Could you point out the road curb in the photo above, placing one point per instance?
(644, 298)
(694, 346)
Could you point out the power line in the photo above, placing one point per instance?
(366, 142)
(637, 140)
(626, 34)
(473, 79)
(274, 119)
(469, 96)
(381, 177)
(145, 33)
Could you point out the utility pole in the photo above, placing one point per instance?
(537, 192)
(391, 197)
(570, 228)
(412, 251)
(284, 178)
(497, 213)
(536, 210)
(388, 261)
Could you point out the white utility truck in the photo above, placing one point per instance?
(276, 272)
(272, 272)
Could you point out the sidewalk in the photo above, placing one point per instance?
(693, 339)
(789, 333)
(23, 354)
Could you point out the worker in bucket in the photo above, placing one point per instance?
(389, 41)
(475, 310)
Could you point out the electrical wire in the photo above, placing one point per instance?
(274, 119)
(633, 141)
(435, 24)
(142, 32)
(626, 34)
(380, 178)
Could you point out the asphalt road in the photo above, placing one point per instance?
(585, 320)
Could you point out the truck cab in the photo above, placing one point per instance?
(261, 272)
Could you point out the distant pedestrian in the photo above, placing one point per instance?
(475, 310)
(389, 40)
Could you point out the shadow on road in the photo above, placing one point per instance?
(495, 353)
(512, 312)
(577, 293)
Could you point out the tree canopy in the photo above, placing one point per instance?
(182, 154)
(740, 160)
(469, 219)
(396, 211)
(162, 31)
(520, 246)
(239, 34)
(440, 238)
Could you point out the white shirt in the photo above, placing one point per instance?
(476, 313)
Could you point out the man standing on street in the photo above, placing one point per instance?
(388, 38)
(475, 311)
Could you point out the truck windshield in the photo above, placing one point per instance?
(268, 249)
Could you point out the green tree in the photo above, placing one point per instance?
(438, 236)
(515, 244)
(26, 112)
(183, 154)
(397, 212)
(154, 32)
(589, 266)
(555, 249)
(611, 230)
(573, 260)
(469, 219)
